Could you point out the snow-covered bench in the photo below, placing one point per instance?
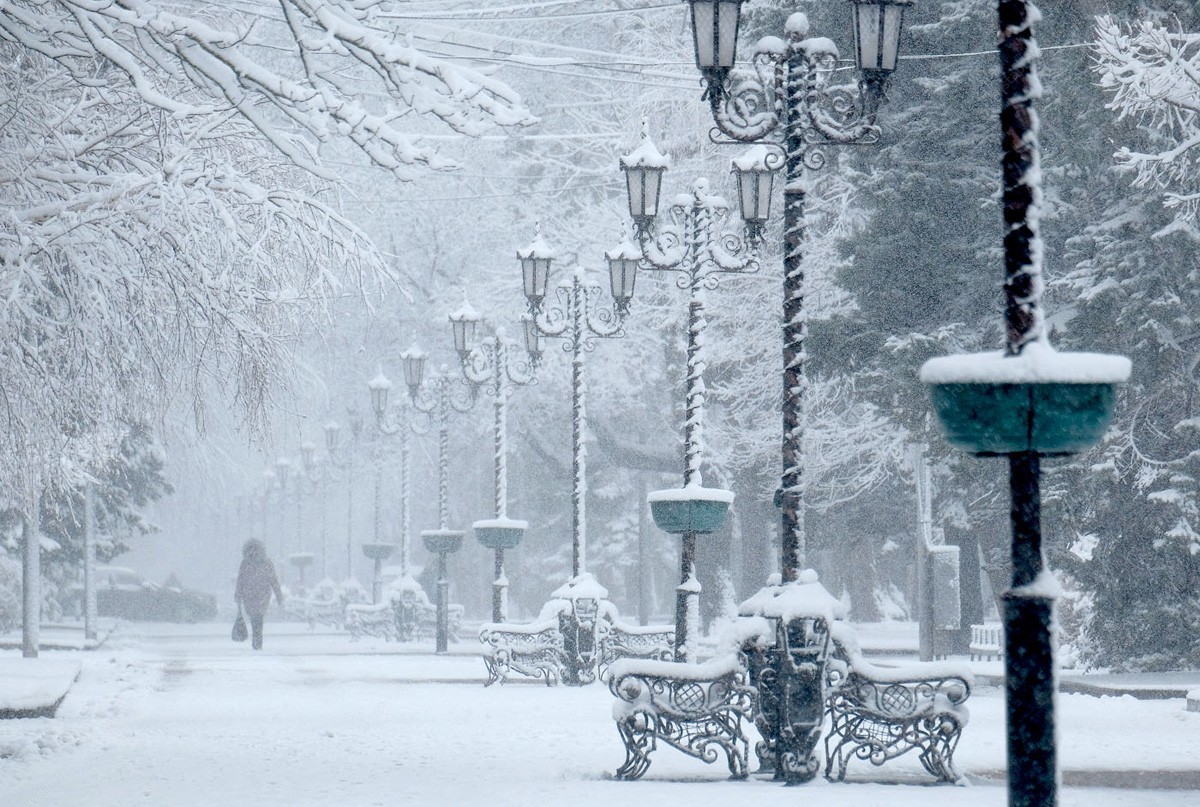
(324, 605)
(402, 618)
(696, 708)
(573, 640)
(655, 642)
(880, 713)
(371, 619)
(987, 641)
(534, 650)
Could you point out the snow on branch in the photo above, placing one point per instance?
(1153, 74)
(301, 74)
(147, 260)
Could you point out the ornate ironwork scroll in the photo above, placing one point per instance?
(701, 717)
(878, 719)
(789, 679)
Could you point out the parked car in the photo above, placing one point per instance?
(123, 593)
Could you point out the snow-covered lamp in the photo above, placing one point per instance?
(644, 167)
(622, 272)
(282, 469)
(877, 26)
(307, 455)
(533, 338)
(464, 322)
(380, 386)
(332, 431)
(356, 422)
(535, 269)
(755, 179)
(715, 30)
(414, 368)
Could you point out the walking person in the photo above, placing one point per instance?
(255, 582)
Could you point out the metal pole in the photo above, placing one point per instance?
(89, 562)
(1028, 650)
(31, 584)
(324, 490)
(500, 433)
(443, 606)
(1028, 607)
(405, 498)
(920, 463)
(578, 426)
(350, 516)
(443, 453)
(795, 323)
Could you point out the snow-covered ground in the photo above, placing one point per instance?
(179, 715)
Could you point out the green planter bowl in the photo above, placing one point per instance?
(1039, 400)
(695, 510)
(301, 559)
(378, 551)
(442, 540)
(990, 419)
(499, 534)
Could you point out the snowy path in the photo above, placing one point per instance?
(192, 719)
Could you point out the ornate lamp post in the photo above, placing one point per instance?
(321, 472)
(576, 321)
(333, 445)
(697, 244)
(291, 478)
(489, 363)
(789, 103)
(1025, 402)
(394, 422)
(433, 397)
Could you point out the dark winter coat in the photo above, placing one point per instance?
(256, 580)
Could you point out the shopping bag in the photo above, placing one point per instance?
(239, 628)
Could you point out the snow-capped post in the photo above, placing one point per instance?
(576, 321)
(698, 244)
(491, 363)
(788, 104)
(1025, 402)
(433, 397)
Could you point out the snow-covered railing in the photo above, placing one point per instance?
(879, 713)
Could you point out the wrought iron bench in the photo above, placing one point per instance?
(655, 642)
(534, 650)
(696, 708)
(376, 619)
(880, 713)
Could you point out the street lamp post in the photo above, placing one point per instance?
(333, 444)
(432, 396)
(1026, 402)
(789, 103)
(489, 363)
(578, 324)
(697, 244)
(394, 422)
(321, 472)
